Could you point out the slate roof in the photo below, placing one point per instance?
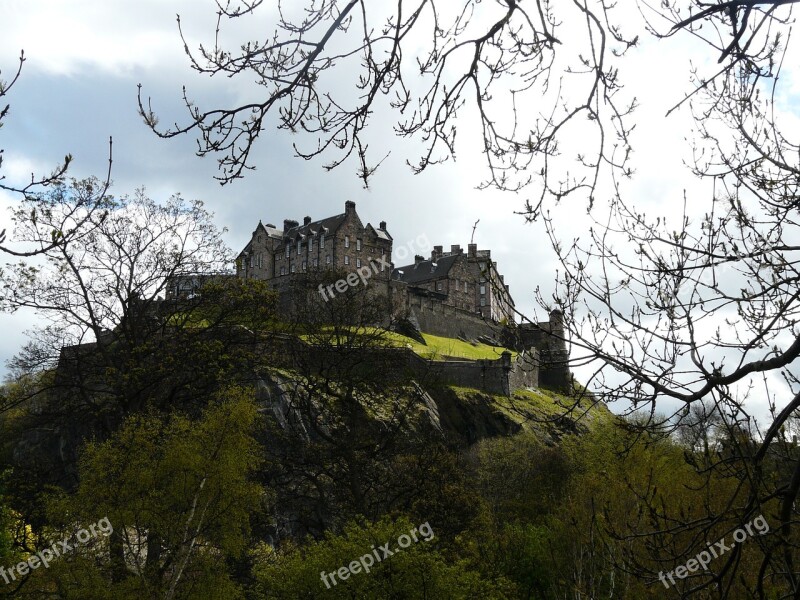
(425, 271)
(330, 224)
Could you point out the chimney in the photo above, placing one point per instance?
(306, 220)
(472, 250)
(382, 226)
(455, 249)
(501, 279)
(288, 224)
(418, 259)
(437, 253)
(349, 207)
(270, 225)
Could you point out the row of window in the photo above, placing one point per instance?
(321, 245)
(315, 263)
(440, 287)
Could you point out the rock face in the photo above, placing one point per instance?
(461, 415)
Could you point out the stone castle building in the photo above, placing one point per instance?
(467, 281)
(342, 243)
(454, 294)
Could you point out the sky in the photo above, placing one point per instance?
(84, 59)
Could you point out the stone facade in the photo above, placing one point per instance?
(453, 294)
(342, 243)
(469, 281)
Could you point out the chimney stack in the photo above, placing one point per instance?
(418, 259)
(472, 250)
(349, 207)
(306, 220)
(437, 253)
(288, 224)
(382, 226)
(455, 249)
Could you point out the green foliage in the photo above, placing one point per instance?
(5, 529)
(178, 494)
(416, 572)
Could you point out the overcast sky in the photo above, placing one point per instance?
(79, 83)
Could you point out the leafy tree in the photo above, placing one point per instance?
(179, 495)
(421, 570)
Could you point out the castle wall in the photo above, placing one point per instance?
(549, 338)
(440, 319)
(500, 376)
(524, 371)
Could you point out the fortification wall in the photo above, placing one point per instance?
(440, 319)
(495, 376)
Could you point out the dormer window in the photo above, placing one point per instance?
(322, 242)
(299, 245)
(288, 250)
(311, 245)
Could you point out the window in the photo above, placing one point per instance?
(346, 242)
(322, 242)
(305, 266)
(358, 244)
(483, 301)
(346, 260)
(292, 268)
(260, 260)
(288, 250)
(259, 239)
(358, 262)
(251, 260)
(483, 290)
(439, 286)
(283, 270)
(316, 262)
(311, 245)
(466, 289)
(299, 245)
(328, 259)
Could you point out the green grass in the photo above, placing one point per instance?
(530, 407)
(435, 348)
(439, 347)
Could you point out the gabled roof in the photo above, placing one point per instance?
(382, 234)
(329, 224)
(425, 270)
(270, 230)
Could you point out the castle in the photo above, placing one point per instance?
(454, 294)
(467, 281)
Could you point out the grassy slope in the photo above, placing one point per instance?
(440, 348)
(540, 409)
